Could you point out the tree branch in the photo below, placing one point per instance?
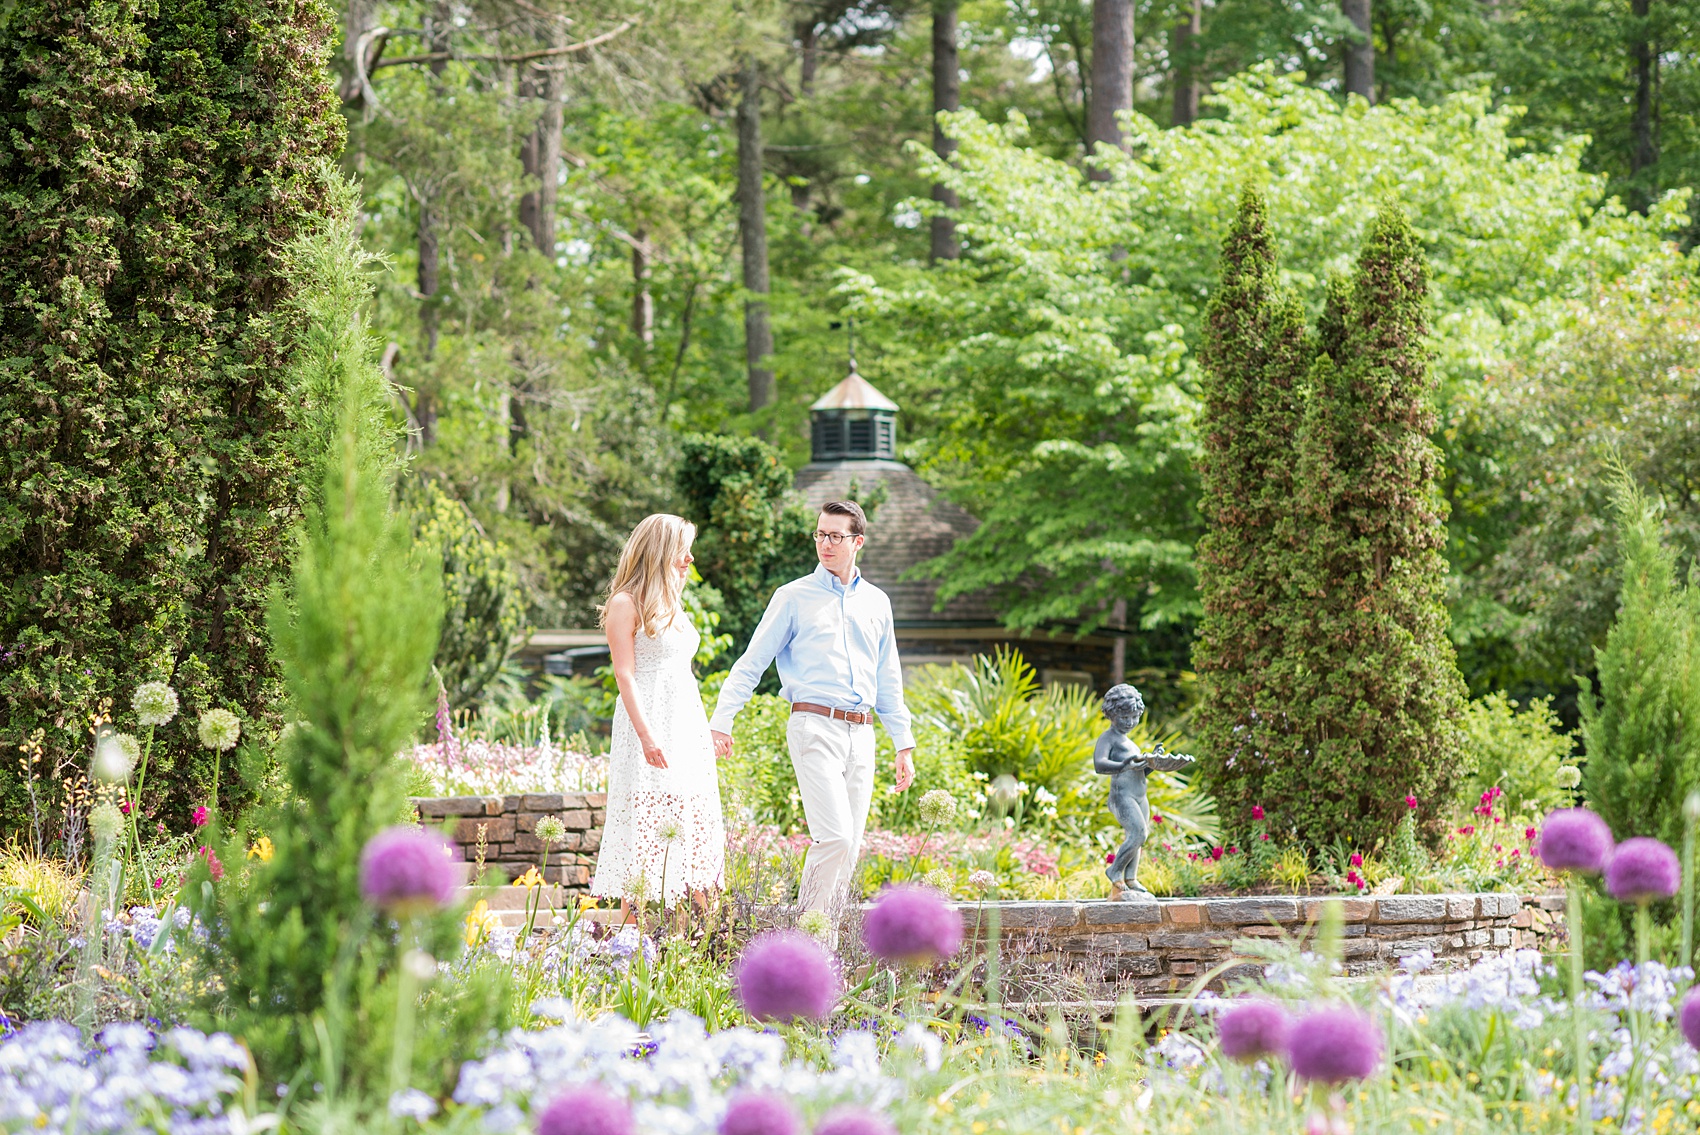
(522, 57)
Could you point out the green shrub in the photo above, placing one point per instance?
(752, 533)
(1641, 719)
(1518, 750)
(295, 963)
(1003, 723)
(483, 609)
(159, 160)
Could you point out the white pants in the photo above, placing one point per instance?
(834, 761)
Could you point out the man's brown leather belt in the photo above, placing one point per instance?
(853, 716)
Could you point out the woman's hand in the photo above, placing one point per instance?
(652, 753)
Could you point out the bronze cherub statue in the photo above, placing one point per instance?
(1119, 759)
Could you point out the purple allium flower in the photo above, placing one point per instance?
(855, 1121)
(1574, 839)
(912, 924)
(587, 1111)
(1251, 1029)
(1643, 869)
(784, 976)
(1688, 1017)
(406, 867)
(760, 1113)
(1332, 1045)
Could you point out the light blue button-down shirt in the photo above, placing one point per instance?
(836, 646)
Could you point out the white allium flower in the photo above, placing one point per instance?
(115, 756)
(550, 829)
(937, 807)
(669, 831)
(155, 703)
(982, 880)
(815, 924)
(1569, 776)
(106, 820)
(220, 729)
(939, 879)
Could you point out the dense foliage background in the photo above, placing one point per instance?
(156, 445)
(586, 214)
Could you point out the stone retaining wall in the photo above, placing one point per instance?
(1163, 945)
(507, 825)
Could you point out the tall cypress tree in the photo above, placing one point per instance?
(156, 162)
(1374, 691)
(1254, 360)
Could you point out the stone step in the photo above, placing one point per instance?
(507, 905)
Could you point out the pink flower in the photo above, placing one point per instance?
(158, 883)
(1411, 802)
(213, 865)
(1515, 852)
(199, 818)
(1264, 835)
(1529, 833)
(124, 807)
(1109, 857)
(1233, 850)
(1155, 818)
(1496, 847)
(1353, 878)
(1357, 859)
(1257, 811)
(1216, 853)
(1467, 829)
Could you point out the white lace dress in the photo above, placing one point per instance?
(646, 804)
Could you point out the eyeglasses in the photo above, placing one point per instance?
(833, 538)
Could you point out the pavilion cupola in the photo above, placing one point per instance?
(853, 422)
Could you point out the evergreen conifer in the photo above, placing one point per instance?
(1641, 720)
(156, 163)
(297, 965)
(1254, 359)
(1371, 691)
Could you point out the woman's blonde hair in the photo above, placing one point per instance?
(646, 570)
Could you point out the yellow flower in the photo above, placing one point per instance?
(262, 849)
(588, 902)
(479, 923)
(529, 880)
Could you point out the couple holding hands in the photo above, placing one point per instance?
(831, 633)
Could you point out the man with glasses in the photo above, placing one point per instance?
(832, 634)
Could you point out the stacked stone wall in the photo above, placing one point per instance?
(507, 826)
(1158, 946)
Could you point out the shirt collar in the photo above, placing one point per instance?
(827, 579)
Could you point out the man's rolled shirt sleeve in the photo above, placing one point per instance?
(772, 633)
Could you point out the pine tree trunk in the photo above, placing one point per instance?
(1187, 86)
(643, 303)
(356, 22)
(1112, 77)
(428, 278)
(1645, 150)
(1359, 50)
(752, 232)
(540, 151)
(947, 96)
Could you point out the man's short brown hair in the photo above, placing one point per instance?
(858, 519)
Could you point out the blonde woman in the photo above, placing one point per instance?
(663, 836)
